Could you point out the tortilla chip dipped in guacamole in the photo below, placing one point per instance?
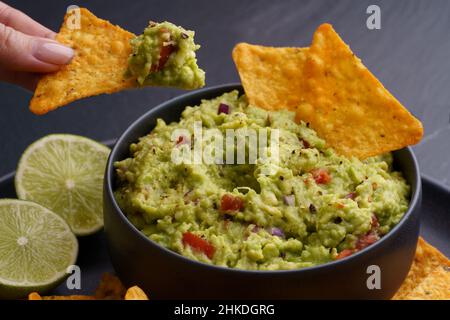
(100, 61)
(110, 59)
(164, 55)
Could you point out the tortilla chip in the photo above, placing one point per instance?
(429, 276)
(110, 288)
(270, 76)
(434, 287)
(135, 293)
(348, 106)
(73, 297)
(37, 296)
(99, 65)
(34, 296)
(329, 88)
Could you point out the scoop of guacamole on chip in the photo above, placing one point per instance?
(164, 55)
(306, 207)
(109, 59)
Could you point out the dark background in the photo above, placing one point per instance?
(410, 55)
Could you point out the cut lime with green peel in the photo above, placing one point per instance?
(36, 247)
(64, 173)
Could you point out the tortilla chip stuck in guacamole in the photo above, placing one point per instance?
(329, 88)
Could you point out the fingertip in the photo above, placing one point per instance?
(52, 52)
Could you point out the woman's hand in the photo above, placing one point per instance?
(27, 48)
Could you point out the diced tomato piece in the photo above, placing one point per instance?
(198, 244)
(321, 176)
(375, 223)
(340, 205)
(344, 253)
(366, 240)
(305, 143)
(230, 203)
(182, 140)
(363, 241)
(164, 54)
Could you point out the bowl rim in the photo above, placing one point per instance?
(109, 172)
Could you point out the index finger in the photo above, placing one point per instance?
(21, 22)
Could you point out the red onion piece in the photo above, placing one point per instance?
(276, 232)
(351, 195)
(223, 108)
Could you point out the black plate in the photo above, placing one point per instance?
(93, 258)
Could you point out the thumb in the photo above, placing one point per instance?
(21, 52)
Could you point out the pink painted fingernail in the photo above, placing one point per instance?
(52, 52)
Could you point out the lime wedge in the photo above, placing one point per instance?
(36, 247)
(64, 173)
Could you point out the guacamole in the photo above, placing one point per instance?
(308, 207)
(164, 55)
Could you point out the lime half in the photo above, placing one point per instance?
(64, 173)
(36, 247)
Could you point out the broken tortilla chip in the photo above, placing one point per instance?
(34, 296)
(429, 276)
(329, 88)
(100, 62)
(37, 296)
(270, 76)
(135, 293)
(110, 288)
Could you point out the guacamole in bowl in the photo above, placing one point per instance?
(305, 207)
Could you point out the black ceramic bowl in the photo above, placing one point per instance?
(165, 274)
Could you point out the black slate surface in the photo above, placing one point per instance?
(410, 55)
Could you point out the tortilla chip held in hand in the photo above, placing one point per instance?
(96, 43)
(329, 88)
